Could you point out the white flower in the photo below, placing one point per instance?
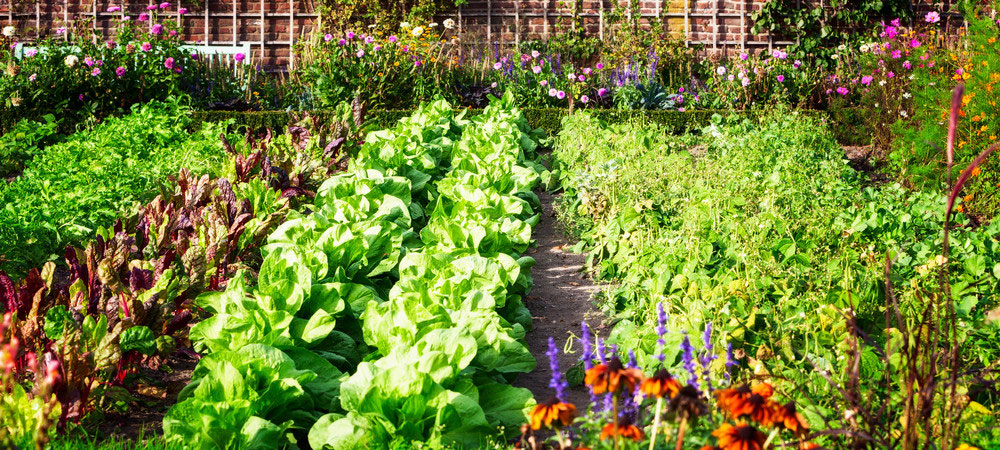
(881, 83)
(903, 113)
(433, 24)
(15, 100)
(71, 60)
(417, 31)
(405, 25)
(841, 47)
(371, 27)
(864, 48)
(721, 70)
(835, 56)
(9, 31)
(449, 24)
(906, 95)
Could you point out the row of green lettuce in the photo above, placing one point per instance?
(391, 312)
(761, 231)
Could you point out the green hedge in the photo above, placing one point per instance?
(848, 127)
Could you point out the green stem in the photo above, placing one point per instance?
(614, 420)
(770, 437)
(656, 422)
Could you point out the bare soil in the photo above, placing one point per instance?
(561, 299)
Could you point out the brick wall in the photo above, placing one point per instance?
(271, 26)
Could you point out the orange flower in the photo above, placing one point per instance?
(660, 385)
(976, 171)
(739, 437)
(789, 417)
(809, 446)
(609, 377)
(549, 412)
(755, 403)
(624, 429)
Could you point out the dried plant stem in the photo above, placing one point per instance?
(656, 422)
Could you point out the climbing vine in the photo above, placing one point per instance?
(819, 28)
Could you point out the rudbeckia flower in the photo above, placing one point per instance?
(791, 419)
(660, 385)
(552, 411)
(609, 377)
(739, 437)
(624, 429)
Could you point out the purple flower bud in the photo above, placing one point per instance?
(688, 358)
(558, 382)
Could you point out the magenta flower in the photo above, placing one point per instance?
(164, 5)
(156, 29)
(796, 64)
(581, 78)
(143, 17)
(61, 30)
(866, 80)
(146, 46)
(536, 69)
(890, 74)
(907, 65)
(341, 42)
(602, 92)
(114, 8)
(151, 8)
(600, 66)
(406, 48)
(497, 65)
(350, 35)
(95, 72)
(842, 90)
(120, 71)
(894, 22)
(328, 37)
(110, 45)
(31, 53)
(587, 71)
(584, 99)
(561, 95)
(361, 53)
(914, 43)
(88, 61)
(172, 33)
(744, 56)
(182, 11)
(169, 63)
(932, 17)
(393, 39)
(377, 47)
(781, 78)
(239, 57)
(369, 40)
(896, 54)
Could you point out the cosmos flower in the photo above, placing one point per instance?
(932, 17)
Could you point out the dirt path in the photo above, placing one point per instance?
(559, 301)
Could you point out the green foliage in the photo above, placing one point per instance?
(761, 229)
(24, 141)
(97, 176)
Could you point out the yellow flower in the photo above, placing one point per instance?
(966, 447)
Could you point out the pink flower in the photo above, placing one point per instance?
(925, 56)
(239, 57)
(894, 22)
(600, 66)
(914, 43)
(360, 53)
(182, 11)
(561, 95)
(110, 45)
(553, 92)
(587, 71)
(143, 17)
(932, 17)
(369, 39)
(169, 63)
(731, 77)
(890, 32)
(907, 65)
(581, 78)
(896, 54)
(866, 80)
(544, 82)
(88, 61)
(534, 54)
(796, 64)
(146, 46)
(61, 30)
(744, 56)
(745, 82)
(536, 69)
(31, 53)
(890, 74)
(681, 109)
(328, 37)
(172, 33)
(350, 35)
(393, 39)
(494, 85)
(164, 5)
(584, 99)
(341, 42)
(156, 29)
(842, 90)
(95, 72)
(33, 77)
(680, 89)
(114, 8)
(781, 78)
(151, 8)
(602, 92)
(497, 65)
(120, 71)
